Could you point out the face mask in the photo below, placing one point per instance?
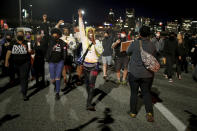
(171, 37)
(28, 37)
(122, 35)
(20, 38)
(55, 38)
(157, 35)
(8, 39)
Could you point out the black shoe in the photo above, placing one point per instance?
(57, 96)
(91, 108)
(25, 98)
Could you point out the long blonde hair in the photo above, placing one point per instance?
(180, 38)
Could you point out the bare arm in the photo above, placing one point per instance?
(115, 43)
(59, 23)
(8, 54)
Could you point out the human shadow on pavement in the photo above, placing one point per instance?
(8, 86)
(38, 88)
(103, 90)
(192, 126)
(79, 128)
(71, 85)
(7, 117)
(106, 121)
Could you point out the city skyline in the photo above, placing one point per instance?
(96, 11)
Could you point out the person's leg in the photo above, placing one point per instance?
(79, 74)
(64, 74)
(134, 86)
(92, 81)
(58, 72)
(118, 67)
(169, 67)
(126, 61)
(145, 86)
(104, 59)
(43, 73)
(52, 72)
(178, 69)
(24, 72)
(118, 74)
(87, 80)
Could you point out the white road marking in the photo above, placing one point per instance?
(180, 126)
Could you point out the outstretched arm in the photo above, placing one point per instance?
(59, 23)
(81, 26)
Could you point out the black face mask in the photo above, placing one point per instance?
(55, 38)
(8, 39)
(20, 38)
(171, 38)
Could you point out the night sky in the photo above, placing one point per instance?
(96, 10)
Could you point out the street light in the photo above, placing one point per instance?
(20, 19)
(31, 12)
(83, 12)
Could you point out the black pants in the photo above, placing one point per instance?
(39, 69)
(23, 71)
(145, 85)
(90, 80)
(169, 68)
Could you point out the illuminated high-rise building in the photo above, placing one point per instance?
(130, 18)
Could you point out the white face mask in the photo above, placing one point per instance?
(122, 35)
(158, 35)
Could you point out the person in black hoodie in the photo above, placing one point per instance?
(39, 61)
(20, 54)
(56, 55)
(171, 54)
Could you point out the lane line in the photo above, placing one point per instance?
(180, 126)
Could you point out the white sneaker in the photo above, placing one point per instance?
(170, 80)
(166, 76)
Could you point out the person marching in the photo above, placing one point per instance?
(56, 55)
(90, 64)
(21, 56)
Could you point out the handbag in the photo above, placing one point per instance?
(149, 61)
(82, 58)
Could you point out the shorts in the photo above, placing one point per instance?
(121, 62)
(55, 70)
(107, 60)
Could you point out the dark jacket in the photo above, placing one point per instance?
(51, 45)
(136, 66)
(182, 50)
(171, 49)
(107, 43)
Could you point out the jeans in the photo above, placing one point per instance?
(55, 70)
(90, 74)
(23, 71)
(145, 85)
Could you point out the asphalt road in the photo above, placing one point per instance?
(175, 107)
